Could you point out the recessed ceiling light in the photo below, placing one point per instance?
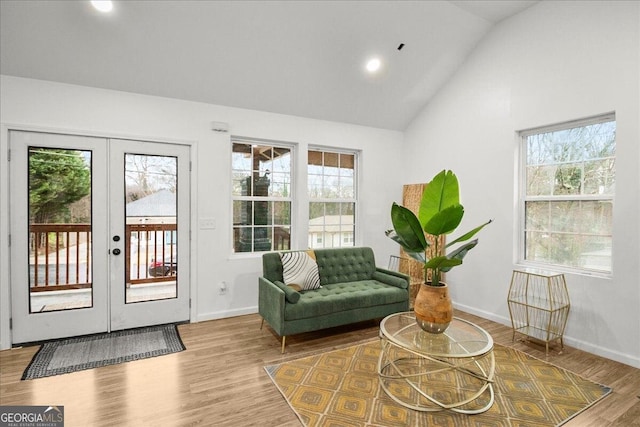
(102, 5)
(373, 65)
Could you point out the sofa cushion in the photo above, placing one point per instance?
(346, 296)
(299, 270)
(339, 265)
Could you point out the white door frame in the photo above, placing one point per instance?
(6, 338)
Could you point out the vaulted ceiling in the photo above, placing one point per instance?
(304, 58)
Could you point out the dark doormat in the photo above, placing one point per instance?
(77, 354)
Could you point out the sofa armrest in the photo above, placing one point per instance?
(291, 295)
(392, 278)
(271, 303)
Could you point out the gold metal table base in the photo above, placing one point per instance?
(396, 374)
(435, 372)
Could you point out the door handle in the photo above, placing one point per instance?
(116, 251)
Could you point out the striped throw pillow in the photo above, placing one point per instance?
(299, 270)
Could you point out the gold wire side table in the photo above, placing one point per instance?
(539, 305)
(433, 372)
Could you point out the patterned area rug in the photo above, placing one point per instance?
(340, 388)
(77, 354)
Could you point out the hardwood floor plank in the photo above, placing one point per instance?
(220, 379)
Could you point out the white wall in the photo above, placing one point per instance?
(554, 62)
(68, 108)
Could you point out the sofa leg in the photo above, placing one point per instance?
(283, 338)
(262, 323)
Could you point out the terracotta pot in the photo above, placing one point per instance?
(433, 308)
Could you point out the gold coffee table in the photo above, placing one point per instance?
(432, 372)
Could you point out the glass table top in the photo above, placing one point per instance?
(461, 339)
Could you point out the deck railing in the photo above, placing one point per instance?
(148, 243)
(61, 255)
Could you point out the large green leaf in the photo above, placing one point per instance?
(442, 262)
(419, 256)
(439, 194)
(469, 235)
(445, 221)
(460, 253)
(408, 232)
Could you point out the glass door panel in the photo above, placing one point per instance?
(151, 185)
(60, 258)
(149, 231)
(58, 224)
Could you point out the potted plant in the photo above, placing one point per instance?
(440, 213)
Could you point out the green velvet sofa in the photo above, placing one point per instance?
(352, 290)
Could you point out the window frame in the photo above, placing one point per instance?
(291, 199)
(357, 154)
(520, 208)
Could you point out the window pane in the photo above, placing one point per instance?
(279, 185)
(540, 180)
(564, 249)
(346, 188)
(599, 176)
(262, 239)
(242, 239)
(597, 217)
(596, 253)
(347, 161)
(282, 213)
(537, 216)
(570, 182)
(314, 183)
(281, 238)
(260, 185)
(330, 188)
(151, 209)
(330, 162)
(316, 210)
(241, 157)
(241, 183)
(566, 216)
(536, 246)
(332, 209)
(314, 158)
(59, 228)
(568, 179)
(242, 212)
(349, 210)
(281, 160)
(261, 213)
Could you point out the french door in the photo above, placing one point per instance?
(96, 224)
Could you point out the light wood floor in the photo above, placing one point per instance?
(220, 381)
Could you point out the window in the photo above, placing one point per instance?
(567, 197)
(332, 198)
(261, 196)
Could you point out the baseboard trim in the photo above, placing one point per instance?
(484, 314)
(226, 313)
(627, 359)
